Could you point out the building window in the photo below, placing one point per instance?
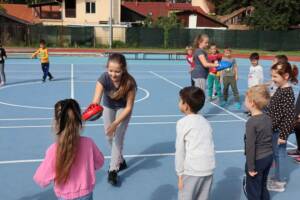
(90, 7)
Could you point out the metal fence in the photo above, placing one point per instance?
(14, 34)
(179, 38)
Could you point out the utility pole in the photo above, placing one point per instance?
(110, 26)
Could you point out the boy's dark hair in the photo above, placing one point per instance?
(194, 97)
(254, 56)
(42, 42)
(0, 43)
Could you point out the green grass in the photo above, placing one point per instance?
(235, 51)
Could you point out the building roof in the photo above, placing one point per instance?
(225, 18)
(160, 9)
(20, 13)
(24, 14)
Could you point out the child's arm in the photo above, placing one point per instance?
(98, 93)
(45, 172)
(235, 68)
(205, 63)
(180, 183)
(98, 157)
(124, 114)
(286, 125)
(180, 150)
(250, 147)
(4, 53)
(35, 53)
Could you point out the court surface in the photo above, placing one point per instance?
(26, 110)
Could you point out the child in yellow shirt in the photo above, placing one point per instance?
(44, 57)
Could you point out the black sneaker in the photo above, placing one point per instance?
(51, 78)
(113, 177)
(43, 80)
(123, 166)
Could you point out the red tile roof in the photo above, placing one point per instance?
(20, 12)
(159, 9)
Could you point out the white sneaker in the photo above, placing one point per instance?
(1, 84)
(275, 186)
(271, 181)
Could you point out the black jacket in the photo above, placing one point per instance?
(2, 55)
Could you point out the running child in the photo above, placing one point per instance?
(195, 155)
(202, 64)
(189, 58)
(213, 79)
(258, 144)
(3, 56)
(282, 112)
(70, 163)
(118, 89)
(229, 77)
(44, 57)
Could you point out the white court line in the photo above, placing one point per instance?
(225, 110)
(134, 116)
(132, 123)
(72, 82)
(125, 156)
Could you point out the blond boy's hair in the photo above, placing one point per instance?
(188, 48)
(260, 96)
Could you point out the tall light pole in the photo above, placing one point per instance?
(110, 25)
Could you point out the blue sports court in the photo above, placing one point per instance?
(26, 110)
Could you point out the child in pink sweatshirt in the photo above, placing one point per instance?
(71, 162)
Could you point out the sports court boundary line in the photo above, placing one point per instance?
(133, 123)
(134, 116)
(225, 110)
(72, 82)
(6, 162)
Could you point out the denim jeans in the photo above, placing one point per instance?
(86, 197)
(279, 153)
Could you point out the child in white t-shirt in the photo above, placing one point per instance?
(256, 73)
(195, 154)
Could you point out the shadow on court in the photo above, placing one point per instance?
(46, 195)
(35, 80)
(166, 191)
(147, 163)
(289, 167)
(231, 186)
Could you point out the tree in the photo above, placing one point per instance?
(224, 7)
(167, 23)
(275, 14)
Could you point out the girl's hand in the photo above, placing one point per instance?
(180, 183)
(252, 173)
(281, 141)
(111, 129)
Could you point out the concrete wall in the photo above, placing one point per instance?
(102, 12)
(102, 34)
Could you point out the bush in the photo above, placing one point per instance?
(118, 44)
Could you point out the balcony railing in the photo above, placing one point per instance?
(34, 3)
